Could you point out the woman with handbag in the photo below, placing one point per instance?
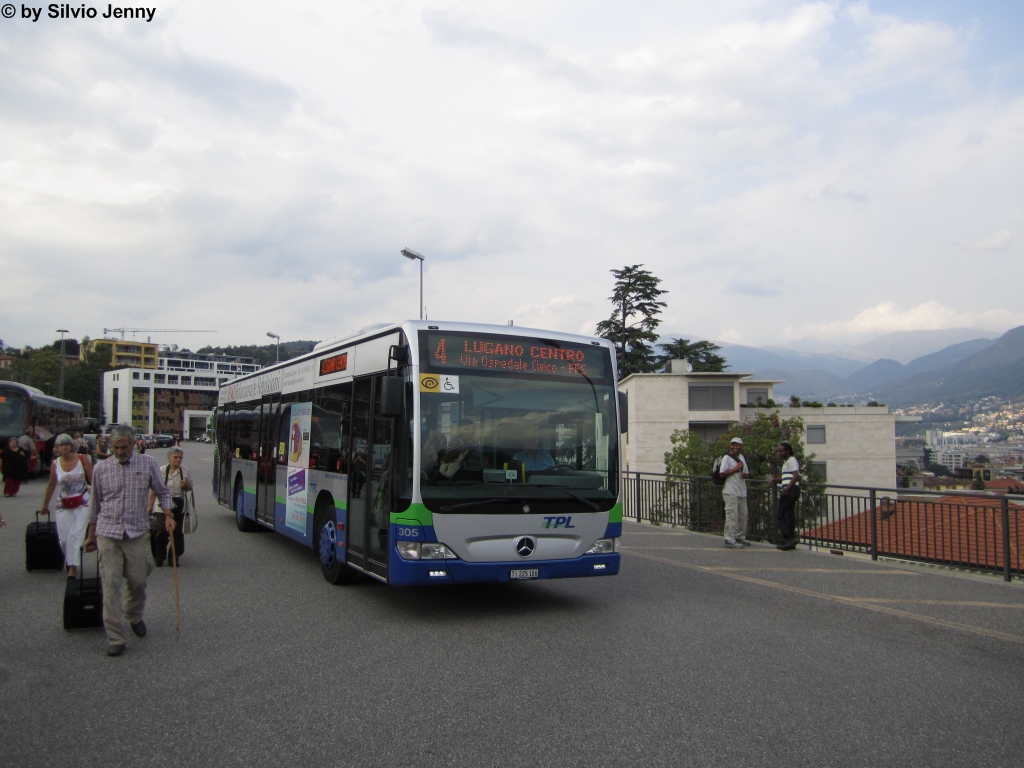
(179, 482)
(70, 477)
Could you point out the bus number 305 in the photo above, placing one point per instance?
(412, 533)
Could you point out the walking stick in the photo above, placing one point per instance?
(177, 597)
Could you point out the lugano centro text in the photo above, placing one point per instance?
(69, 11)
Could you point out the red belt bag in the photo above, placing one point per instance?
(73, 502)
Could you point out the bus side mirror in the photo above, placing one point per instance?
(392, 394)
(623, 412)
(399, 353)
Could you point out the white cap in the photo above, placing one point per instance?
(736, 440)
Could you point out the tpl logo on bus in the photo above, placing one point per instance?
(557, 522)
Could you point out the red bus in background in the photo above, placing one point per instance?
(23, 407)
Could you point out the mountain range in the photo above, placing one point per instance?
(965, 369)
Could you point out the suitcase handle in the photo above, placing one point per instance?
(51, 525)
(81, 567)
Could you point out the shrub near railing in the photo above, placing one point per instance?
(695, 503)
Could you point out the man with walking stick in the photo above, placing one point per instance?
(119, 528)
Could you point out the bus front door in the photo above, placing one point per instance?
(368, 512)
(266, 468)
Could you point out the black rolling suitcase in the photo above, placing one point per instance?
(83, 600)
(42, 547)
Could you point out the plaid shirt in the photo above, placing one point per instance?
(120, 496)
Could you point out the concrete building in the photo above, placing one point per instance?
(177, 398)
(854, 446)
(661, 403)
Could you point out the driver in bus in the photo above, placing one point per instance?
(434, 445)
(533, 457)
(461, 459)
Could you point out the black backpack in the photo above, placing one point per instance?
(716, 472)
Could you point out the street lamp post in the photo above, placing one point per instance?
(275, 336)
(409, 253)
(62, 331)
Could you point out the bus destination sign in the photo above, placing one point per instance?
(515, 354)
(335, 364)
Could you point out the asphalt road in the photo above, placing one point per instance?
(693, 655)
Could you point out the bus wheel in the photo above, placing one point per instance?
(334, 569)
(244, 523)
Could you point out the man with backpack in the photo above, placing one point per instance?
(733, 469)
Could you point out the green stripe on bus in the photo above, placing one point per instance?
(413, 514)
(615, 514)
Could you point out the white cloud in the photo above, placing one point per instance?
(997, 241)
(783, 163)
(888, 317)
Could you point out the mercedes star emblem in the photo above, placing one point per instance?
(525, 546)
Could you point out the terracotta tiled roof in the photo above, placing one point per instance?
(1005, 485)
(952, 529)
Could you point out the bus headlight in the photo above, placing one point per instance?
(429, 551)
(604, 547)
(414, 550)
(409, 550)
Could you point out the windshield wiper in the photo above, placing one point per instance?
(470, 504)
(580, 499)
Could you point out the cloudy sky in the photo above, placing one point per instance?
(832, 170)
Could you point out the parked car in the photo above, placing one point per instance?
(164, 441)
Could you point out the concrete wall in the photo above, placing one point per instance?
(657, 407)
(117, 380)
(860, 442)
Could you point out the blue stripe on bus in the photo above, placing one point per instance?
(410, 572)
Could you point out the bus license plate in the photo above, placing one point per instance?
(525, 573)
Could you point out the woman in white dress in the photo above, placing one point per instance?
(70, 477)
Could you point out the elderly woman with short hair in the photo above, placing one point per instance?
(70, 477)
(178, 481)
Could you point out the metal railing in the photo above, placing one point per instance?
(966, 529)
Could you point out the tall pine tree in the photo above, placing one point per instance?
(634, 320)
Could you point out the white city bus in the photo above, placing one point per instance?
(432, 453)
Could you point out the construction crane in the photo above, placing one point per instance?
(133, 331)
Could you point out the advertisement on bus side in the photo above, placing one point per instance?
(298, 463)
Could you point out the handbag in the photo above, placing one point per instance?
(191, 522)
(72, 502)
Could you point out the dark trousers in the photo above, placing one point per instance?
(11, 486)
(161, 541)
(785, 517)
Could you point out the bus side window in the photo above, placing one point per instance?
(330, 428)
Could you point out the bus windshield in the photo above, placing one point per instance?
(515, 434)
(13, 413)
